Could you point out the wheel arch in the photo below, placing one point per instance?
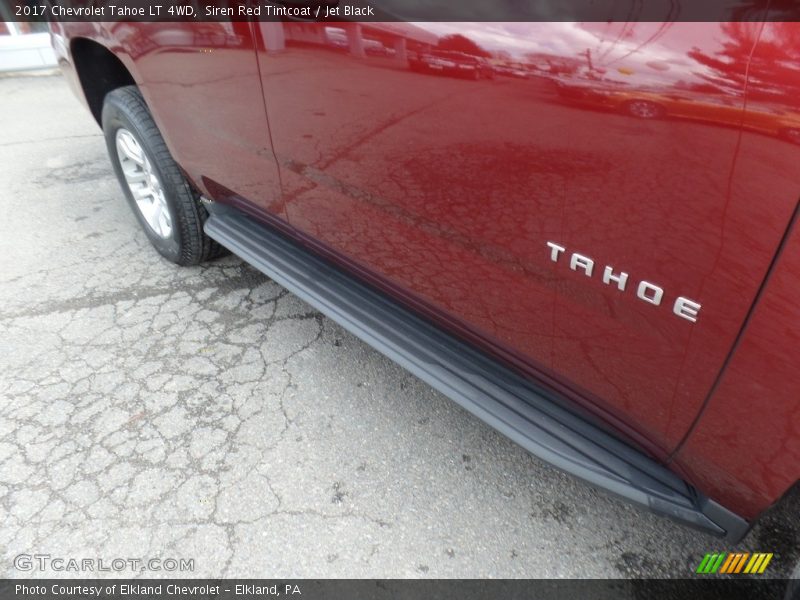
(99, 71)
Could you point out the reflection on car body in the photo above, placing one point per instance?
(651, 104)
(447, 62)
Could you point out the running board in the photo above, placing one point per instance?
(531, 416)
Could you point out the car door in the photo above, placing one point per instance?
(202, 84)
(601, 245)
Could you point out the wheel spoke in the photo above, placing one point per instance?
(148, 208)
(132, 172)
(142, 193)
(131, 148)
(164, 221)
(143, 183)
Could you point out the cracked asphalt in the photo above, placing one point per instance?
(148, 410)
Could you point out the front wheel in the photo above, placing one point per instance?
(166, 206)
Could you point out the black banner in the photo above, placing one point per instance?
(340, 589)
(399, 10)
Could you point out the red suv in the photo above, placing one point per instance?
(617, 294)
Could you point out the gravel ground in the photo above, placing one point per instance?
(205, 413)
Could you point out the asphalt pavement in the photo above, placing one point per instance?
(206, 414)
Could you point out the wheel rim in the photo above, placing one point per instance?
(144, 184)
(645, 110)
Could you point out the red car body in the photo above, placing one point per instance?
(444, 193)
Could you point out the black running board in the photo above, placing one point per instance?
(531, 416)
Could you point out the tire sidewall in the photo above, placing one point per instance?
(115, 117)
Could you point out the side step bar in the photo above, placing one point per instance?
(529, 415)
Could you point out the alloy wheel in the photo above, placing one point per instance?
(144, 184)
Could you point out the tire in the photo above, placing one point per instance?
(166, 205)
